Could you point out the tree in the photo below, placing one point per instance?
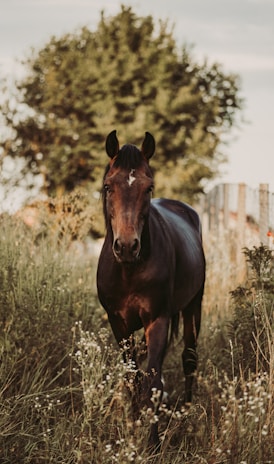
(127, 75)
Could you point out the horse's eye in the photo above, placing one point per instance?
(106, 188)
(150, 189)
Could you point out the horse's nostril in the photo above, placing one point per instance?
(135, 246)
(117, 246)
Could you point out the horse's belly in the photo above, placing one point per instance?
(188, 282)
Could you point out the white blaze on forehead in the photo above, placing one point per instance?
(131, 177)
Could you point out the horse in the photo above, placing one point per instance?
(151, 268)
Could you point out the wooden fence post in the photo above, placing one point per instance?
(264, 213)
(213, 209)
(226, 206)
(241, 268)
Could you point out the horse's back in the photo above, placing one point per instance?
(182, 220)
(182, 211)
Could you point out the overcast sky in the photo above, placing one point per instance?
(237, 33)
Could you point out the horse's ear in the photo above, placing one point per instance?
(148, 146)
(112, 144)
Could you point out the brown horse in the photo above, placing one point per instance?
(152, 265)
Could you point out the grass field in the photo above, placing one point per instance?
(64, 387)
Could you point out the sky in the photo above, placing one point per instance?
(239, 34)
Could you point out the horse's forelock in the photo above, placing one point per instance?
(128, 157)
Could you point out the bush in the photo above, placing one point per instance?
(253, 323)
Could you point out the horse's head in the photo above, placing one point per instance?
(128, 183)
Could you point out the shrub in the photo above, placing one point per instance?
(253, 323)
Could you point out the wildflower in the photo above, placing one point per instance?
(154, 419)
(264, 430)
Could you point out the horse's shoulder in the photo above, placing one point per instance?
(182, 210)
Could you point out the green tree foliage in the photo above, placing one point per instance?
(127, 75)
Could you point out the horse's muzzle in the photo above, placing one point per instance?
(126, 251)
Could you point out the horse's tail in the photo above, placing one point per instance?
(174, 327)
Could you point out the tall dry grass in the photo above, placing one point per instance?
(65, 391)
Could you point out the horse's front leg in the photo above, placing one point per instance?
(124, 337)
(156, 333)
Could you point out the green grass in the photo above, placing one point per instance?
(64, 390)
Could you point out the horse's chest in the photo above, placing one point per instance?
(137, 293)
(131, 298)
(127, 296)
(136, 310)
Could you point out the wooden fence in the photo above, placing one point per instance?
(238, 213)
(239, 207)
